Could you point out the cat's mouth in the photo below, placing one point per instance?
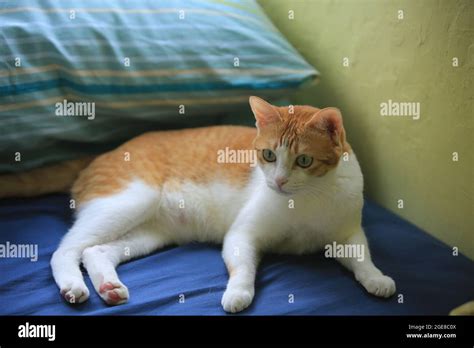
(280, 190)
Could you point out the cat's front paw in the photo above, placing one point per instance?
(75, 292)
(379, 285)
(236, 299)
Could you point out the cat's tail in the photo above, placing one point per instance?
(49, 179)
(465, 309)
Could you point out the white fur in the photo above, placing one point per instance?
(249, 221)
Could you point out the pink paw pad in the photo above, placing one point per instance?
(105, 287)
(113, 294)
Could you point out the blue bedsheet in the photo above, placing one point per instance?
(430, 278)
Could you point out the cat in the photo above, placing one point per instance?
(465, 309)
(166, 187)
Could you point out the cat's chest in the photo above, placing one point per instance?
(306, 238)
(306, 226)
(301, 213)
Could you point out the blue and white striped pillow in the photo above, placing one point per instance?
(137, 61)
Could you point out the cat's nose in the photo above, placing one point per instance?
(280, 182)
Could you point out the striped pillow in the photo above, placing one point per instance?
(125, 67)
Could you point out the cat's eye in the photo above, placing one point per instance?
(304, 161)
(269, 155)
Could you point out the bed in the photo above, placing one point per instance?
(190, 279)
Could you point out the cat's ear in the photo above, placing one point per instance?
(329, 120)
(264, 112)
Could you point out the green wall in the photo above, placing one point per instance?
(405, 60)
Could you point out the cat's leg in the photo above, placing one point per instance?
(98, 221)
(248, 236)
(241, 258)
(373, 280)
(101, 261)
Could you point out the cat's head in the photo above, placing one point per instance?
(296, 145)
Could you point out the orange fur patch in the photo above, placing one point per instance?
(167, 157)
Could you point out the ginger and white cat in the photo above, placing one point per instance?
(165, 188)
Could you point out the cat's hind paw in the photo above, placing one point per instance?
(380, 285)
(113, 293)
(75, 293)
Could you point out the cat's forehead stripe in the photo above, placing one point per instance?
(289, 136)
